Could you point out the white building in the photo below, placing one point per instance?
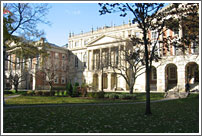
(172, 72)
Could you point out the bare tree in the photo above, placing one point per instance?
(21, 19)
(129, 63)
(149, 17)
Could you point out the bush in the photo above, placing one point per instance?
(106, 95)
(75, 92)
(38, 93)
(52, 93)
(46, 93)
(113, 96)
(30, 93)
(96, 94)
(69, 89)
(59, 88)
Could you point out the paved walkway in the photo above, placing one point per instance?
(12, 96)
(81, 104)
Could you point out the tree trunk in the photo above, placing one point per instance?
(147, 85)
(16, 88)
(148, 109)
(4, 80)
(131, 90)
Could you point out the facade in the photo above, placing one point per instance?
(87, 50)
(31, 73)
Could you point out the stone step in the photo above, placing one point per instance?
(176, 94)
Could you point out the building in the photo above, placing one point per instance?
(171, 73)
(33, 74)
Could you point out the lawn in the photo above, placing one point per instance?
(23, 100)
(176, 116)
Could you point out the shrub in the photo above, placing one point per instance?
(106, 95)
(46, 93)
(59, 88)
(69, 89)
(30, 93)
(13, 91)
(75, 92)
(38, 93)
(113, 96)
(52, 93)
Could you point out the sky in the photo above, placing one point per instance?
(76, 17)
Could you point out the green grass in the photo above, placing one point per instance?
(176, 116)
(61, 100)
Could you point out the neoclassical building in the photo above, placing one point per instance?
(31, 76)
(172, 72)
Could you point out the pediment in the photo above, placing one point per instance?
(103, 40)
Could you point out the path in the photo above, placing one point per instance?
(80, 104)
(12, 96)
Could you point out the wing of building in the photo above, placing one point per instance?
(172, 72)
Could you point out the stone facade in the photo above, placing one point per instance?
(34, 79)
(87, 49)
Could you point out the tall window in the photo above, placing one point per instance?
(176, 31)
(117, 57)
(154, 74)
(56, 55)
(63, 80)
(154, 35)
(76, 44)
(84, 60)
(56, 80)
(173, 73)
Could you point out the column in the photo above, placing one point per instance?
(91, 60)
(109, 81)
(99, 81)
(109, 57)
(34, 79)
(181, 77)
(161, 81)
(87, 61)
(101, 65)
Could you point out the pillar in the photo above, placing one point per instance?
(101, 58)
(109, 57)
(181, 77)
(109, 81)
(87, 61)
(99, 81)
(161, 81)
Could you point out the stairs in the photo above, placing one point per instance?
(176, 95)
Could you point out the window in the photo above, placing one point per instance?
(56, 55)
(63, 56)
(76, 43)
(137, 34)
(173, 73)
(85, 42)
(63, 80)
(194, 48)
(56, 80)
(84, 60)
(117, 58)
(154, 74)
(154, 35)
(129, 33)
(176, 31)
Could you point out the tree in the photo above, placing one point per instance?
(149, 17)
(21, 19)
(131, 64)
(22, 60)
